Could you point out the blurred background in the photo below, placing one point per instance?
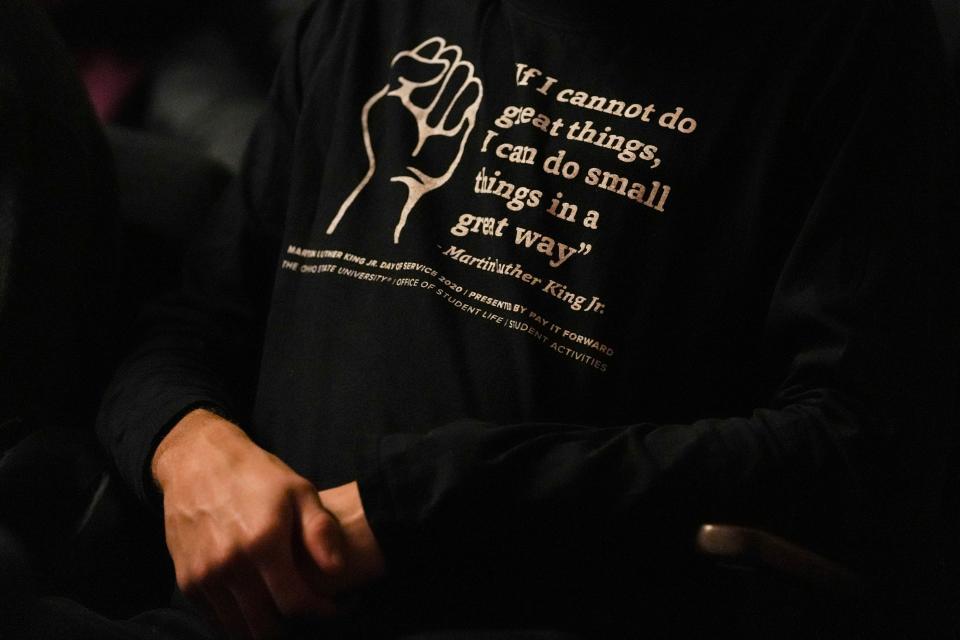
(199, 70)
(195, 70)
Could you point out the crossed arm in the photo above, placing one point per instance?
(253, 542)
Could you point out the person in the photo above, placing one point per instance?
(57, 216)
(512, 295)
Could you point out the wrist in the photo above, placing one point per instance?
(365, 559)
(199, 428)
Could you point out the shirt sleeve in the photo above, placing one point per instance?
(854, 333)
(200, 347)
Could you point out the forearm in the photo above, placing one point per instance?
(556, 496)
(149, 396)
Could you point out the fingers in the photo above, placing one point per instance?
(249, 574)
(424, 66)
(459, 101)
(228, 590)
(254, 600)
(424, 73)
(452, 86)
(287, 576)
(428, 96)
(216, 597)
(250, 597)
(250, 593)
(438, 86)
(321, 535)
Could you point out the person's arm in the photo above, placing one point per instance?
(200, 347)
(850, 345)
(538, 493)
(250, 540)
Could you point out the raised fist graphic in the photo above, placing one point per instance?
(439, 90)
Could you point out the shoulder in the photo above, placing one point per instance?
(336, 34)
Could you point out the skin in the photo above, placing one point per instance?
(252, 542)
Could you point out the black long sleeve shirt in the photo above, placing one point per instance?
(558, 284)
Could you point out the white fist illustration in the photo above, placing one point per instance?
(440, 91)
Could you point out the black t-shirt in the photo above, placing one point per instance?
(559, 282)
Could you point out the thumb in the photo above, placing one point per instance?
(322, 536)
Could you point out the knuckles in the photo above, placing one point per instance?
(213, 543)
(263, 541)
(214, 565)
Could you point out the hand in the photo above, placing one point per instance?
(363, 559)
(250, 540)
(439, 90)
